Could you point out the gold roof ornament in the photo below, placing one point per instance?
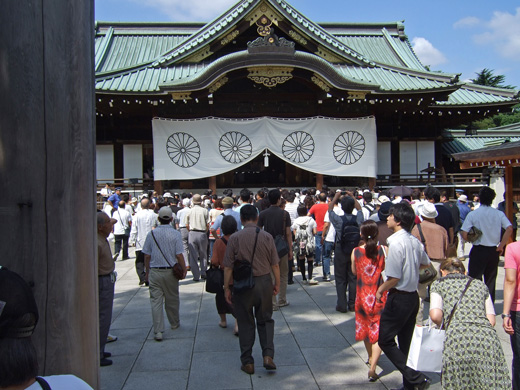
(270, 76)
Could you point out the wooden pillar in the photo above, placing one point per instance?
(509, 193)
(47, 170)
(213, 184)
(371, 183)
(158, 186)
(319, 181)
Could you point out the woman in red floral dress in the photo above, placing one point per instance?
(368, 262)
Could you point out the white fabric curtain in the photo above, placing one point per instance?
(193, 149)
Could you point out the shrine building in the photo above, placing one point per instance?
(264, 96)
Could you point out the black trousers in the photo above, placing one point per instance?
(483, 261)
(139, 266)
(398, 319)
(248, 306)
(345, 278)
(121, 240)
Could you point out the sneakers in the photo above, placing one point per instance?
(158, 336)
(283, 304)
(326, 278)
(305, 281)
(177, 326)
(313, 282)
(111, 338)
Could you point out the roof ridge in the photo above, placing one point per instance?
(214, 28)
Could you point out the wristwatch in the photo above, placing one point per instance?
(506, 315)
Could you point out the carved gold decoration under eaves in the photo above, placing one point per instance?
(199, 55)
(356, 95)
(328, 55)
(264, 10)
(297, 37)
(230, 37)
(270, 76)
(181, 95)
(217, 84)
(320, 82)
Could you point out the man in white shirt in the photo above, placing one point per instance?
(181, 227)
(484, 255)
(405, 256)
(197, 223)
(106, 192)
(144, 222)
(122, 230)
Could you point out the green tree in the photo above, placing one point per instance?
(486, 77)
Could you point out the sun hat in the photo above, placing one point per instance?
(428, 210)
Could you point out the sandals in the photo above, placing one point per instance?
(372, 377)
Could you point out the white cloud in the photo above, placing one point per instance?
(502, 32)
(427, 53)
(191, 10)
(469, 21)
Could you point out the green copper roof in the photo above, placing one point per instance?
(473, 94)
(459, 142)
(224, 24)
(376, 57)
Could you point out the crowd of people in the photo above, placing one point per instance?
(377, 243)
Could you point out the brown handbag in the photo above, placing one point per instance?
(178, 273)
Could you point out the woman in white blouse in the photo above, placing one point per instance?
(472, 356)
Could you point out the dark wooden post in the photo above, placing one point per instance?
(319, 181)
(47, 149)
(213, 184)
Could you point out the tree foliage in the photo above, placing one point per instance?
(487, 78)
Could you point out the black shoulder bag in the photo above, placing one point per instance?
(280, 241)
(177, 269)
(215, 277)
(243, 272)
(426, 275)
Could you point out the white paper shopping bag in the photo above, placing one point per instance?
(426, 349)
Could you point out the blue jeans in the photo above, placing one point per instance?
(328, 246)
(317, 253)
(515, 346)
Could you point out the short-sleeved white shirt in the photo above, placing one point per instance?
(489, 221)
(405, 255)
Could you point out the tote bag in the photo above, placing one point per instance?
(426, 349)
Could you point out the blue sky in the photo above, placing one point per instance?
(456, 36)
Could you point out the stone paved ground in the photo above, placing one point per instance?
(315, 345)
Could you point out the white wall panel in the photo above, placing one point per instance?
(408, 157)
(384, 158)
(133, 161)
(105, 162)
(425, 154)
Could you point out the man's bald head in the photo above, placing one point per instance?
(145, 203)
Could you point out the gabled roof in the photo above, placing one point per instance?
(150, 58)
(225, 23)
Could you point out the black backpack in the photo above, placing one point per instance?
(350, 234)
